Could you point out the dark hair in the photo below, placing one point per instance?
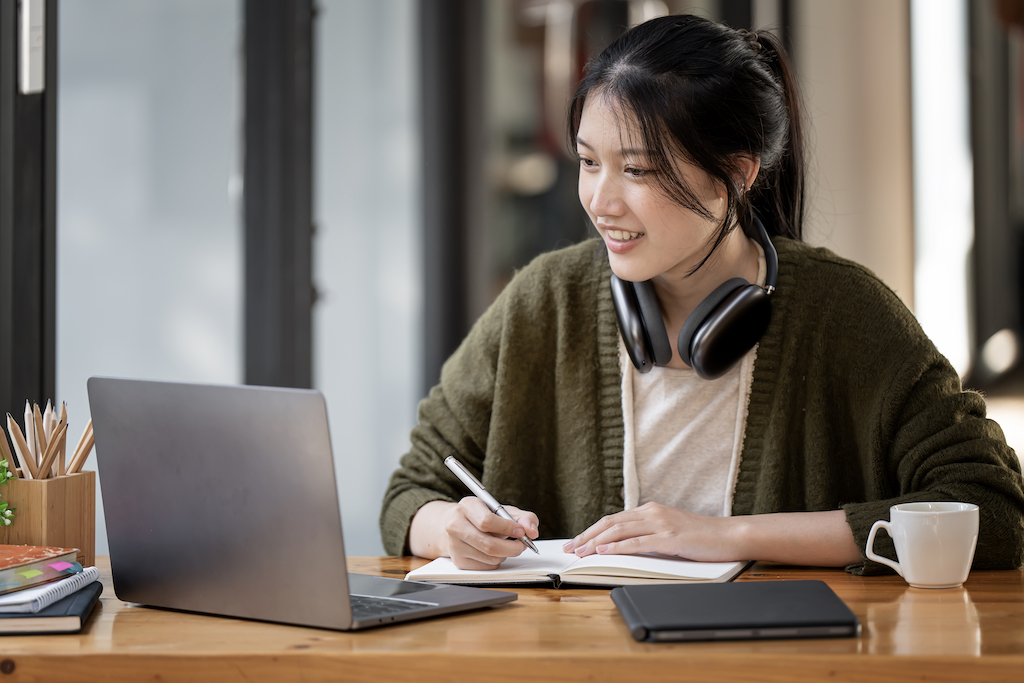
(711, 94)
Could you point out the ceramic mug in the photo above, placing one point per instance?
(934, 542)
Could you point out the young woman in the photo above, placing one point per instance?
(784, 416)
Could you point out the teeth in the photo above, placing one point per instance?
(623, 236)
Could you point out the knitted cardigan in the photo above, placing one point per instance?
(851, 406)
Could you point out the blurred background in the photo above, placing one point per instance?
(327, 194)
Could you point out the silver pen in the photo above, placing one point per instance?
(478, 490)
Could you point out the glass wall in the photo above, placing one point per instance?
(149, 236)
(943, 197)
(367, 251)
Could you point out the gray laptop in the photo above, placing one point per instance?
(222, 500)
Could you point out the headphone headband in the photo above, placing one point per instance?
(771, 257)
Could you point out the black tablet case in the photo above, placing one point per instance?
(734, 611)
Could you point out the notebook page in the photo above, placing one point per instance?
(528, 565)
(646, 566)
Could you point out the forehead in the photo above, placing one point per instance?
(606, 126)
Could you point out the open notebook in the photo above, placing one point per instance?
(555, 567)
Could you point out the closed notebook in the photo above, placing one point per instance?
(22, 566)
(555, 567)
(67, 615)
(748, 610)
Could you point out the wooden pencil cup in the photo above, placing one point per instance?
(58, 512)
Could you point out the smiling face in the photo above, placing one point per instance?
(646, 233)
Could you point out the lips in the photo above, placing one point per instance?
(623, 235)
(619, 241)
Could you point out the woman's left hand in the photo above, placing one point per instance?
(657, 528)
(821, 539)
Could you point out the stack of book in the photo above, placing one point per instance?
(44, 590)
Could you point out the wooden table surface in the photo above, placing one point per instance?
(972, 633)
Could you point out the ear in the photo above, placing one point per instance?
(747, 167)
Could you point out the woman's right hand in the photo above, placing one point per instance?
(469, 533)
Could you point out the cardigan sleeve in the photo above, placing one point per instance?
(452, 420)
(520, 404)
(938, 445)
(923, 437)
(884, 418)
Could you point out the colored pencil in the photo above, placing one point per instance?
(63, 444)
(21, 446)
(51, 451)
(5, 453)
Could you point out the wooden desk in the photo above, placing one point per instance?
(974, 633)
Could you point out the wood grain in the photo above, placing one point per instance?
(58, 512)
(971, 634)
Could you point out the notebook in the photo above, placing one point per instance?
(40, 597)
(557, 568)
(747, 610)
(67, 615)
(222, 500)
(22, 566)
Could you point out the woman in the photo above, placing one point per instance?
(689, 139)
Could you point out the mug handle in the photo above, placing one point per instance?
(870, 549)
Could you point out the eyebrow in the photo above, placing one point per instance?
(625, 152)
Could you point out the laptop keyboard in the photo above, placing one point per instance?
(366, 607)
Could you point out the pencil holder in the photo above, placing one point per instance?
(58, 512)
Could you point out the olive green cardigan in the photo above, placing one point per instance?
(851, 406)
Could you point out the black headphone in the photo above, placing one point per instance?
(715, 336)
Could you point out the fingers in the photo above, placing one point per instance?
(626, 534)
(631, 545)
(479, 539)
(488, 522)
(650, 528)
(601, 526)
(526, 519)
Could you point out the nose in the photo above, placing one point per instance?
(606, 196)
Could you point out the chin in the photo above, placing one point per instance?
(629, 271)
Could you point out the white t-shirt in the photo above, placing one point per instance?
(683, 435)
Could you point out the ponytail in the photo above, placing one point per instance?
(778, 198)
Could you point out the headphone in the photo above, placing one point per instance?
(715, 336)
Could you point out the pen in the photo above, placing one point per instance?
(478, 490)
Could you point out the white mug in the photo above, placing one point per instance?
(934, 542)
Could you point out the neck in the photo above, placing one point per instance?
(679, 293)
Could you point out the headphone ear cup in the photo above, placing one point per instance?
(653, 322)
(729, 330)
(700, 314)
(631, 326)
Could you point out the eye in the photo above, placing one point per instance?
(586, 163)
(635, 172)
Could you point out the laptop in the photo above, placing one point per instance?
(222, 500)
(748, 610)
